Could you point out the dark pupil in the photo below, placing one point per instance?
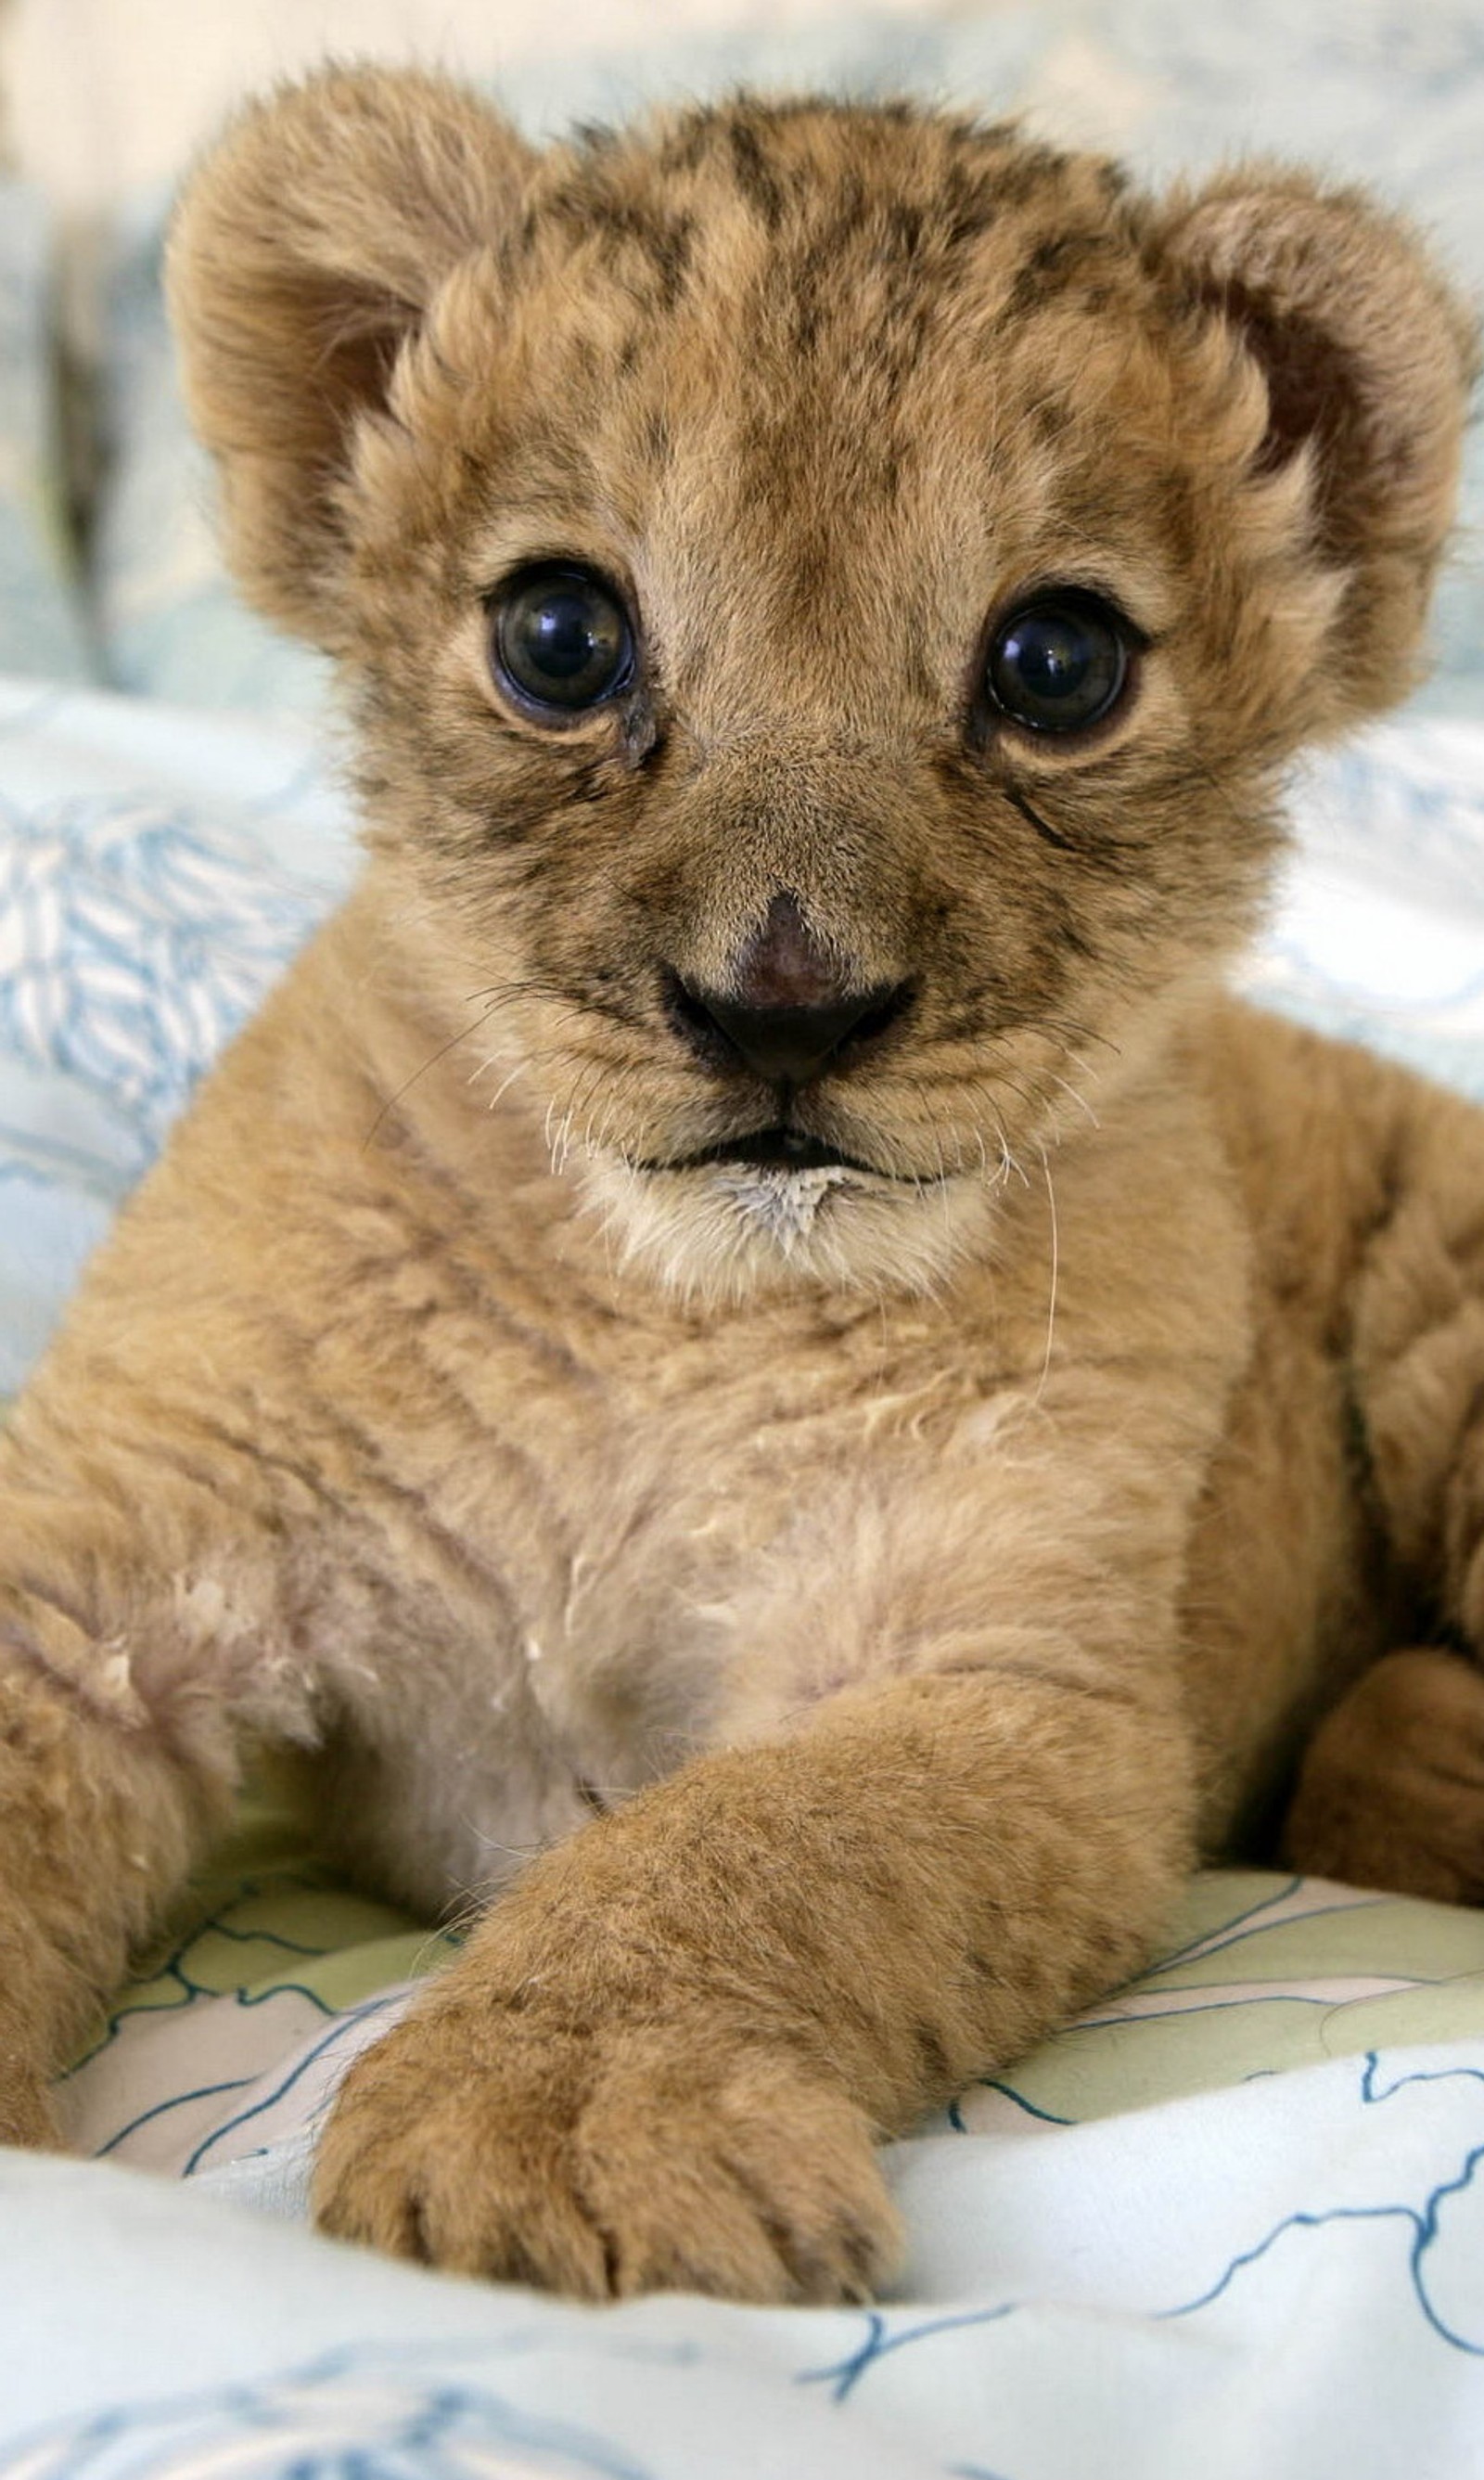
(1057, 668)
(564, 641)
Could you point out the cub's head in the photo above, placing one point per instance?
(827, 594)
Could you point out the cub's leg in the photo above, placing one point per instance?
(204, 1532)
(1392, 1789)
(112, 1779)
(155, 1572)
(152, 1599)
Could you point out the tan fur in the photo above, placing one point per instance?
(916, 1567)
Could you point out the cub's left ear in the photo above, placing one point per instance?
(1368, 358)
(305, 256)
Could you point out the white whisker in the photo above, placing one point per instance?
(1081, 1099)
(1055, 1270)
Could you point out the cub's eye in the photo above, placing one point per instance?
(1061, 663)
(560, 638)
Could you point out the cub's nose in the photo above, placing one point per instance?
(791, 1009)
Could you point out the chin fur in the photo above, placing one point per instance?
(727, 1232)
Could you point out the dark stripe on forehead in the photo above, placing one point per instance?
(972, 202)
(661, 240)
(1062, 263)
(755, 179)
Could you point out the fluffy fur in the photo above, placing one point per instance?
(867, 1587)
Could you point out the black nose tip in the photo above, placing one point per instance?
(789, 1009)
(785, 1045)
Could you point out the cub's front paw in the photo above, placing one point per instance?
(606, 2159)
(28, 2115)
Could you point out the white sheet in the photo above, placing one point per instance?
(1284, 2280)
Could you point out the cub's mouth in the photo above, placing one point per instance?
(776, 1205)
(775, 1148)
(778, 1149)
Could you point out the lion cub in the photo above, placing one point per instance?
(749, 1318)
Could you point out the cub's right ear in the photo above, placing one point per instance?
(303, 257)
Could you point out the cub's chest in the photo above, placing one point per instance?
(635, 1489)
(617, 1511)
(687, 1449)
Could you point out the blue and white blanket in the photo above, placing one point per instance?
(1287, 2278)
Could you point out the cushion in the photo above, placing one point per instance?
(157, 869)
(42, 634)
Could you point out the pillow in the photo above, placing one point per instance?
(1349, 84)
(168, 619)
(41, 628)
(157, 870)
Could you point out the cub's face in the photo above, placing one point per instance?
(827, 593)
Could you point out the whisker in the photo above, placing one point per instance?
(1081, 1099)
(442, 1052)
(522, 1068)
(1055, 1270)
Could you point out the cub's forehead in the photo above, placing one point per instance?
(840, 201)
(739, 323)
(855, 248)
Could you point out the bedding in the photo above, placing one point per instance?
(155, 872)
(42, 630)
(1284, 2274)
(1282, 2279)
(1235, 2218)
